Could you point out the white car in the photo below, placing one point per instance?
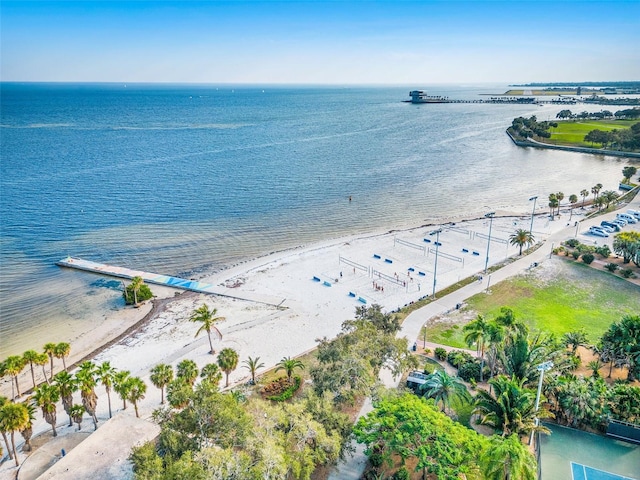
(634, 213)
(607, 228)
(619, 221)
(598, 232)
(627, 217)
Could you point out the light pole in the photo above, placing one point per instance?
(490, 217)
(435, 265)
(543, 367)
(532, 213)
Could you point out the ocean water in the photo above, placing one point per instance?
(188, 180)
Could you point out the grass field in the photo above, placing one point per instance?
(556, 297)
(573, 133)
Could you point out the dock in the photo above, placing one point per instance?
(152, 278)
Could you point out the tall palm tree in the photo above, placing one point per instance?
(3, 401)
(46, 396)
(161, 375)
(13, 417)
(67, 384)
(560, 197)
(86, 377)
(121, 385)
(553, 203)
(208, 319)
(77, 412)
(253, 364)
(507, 459)
(49, 349)
(521, 238)
(105, 374)
(137, 389)
(496, 334)
(228, 361)
(443, 388)
(14, 366)
(42, 359)
(188, 370)
(62, 350)
(136, 283)
(211, 373)
(584, 194)
(31, 357)
(476, 332)
(573, 199)
(596, 189)
(27, 431)
(289, 365)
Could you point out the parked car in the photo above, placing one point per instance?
(627, 217)
(597, 231)
(616, 227)
(607, 228)
(634, 213)
(619, 221)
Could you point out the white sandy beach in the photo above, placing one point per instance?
(280, 310)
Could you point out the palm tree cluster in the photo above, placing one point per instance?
(62, 387)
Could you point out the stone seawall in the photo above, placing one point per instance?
(593, 151)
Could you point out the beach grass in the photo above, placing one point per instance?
(575, 297)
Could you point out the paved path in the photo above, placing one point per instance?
(353, 468)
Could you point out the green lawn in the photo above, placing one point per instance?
(573, 133)
(567, 296)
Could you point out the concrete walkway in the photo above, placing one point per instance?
(353, 468)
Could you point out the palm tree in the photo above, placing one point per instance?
(584, 194)
(42, 359)
(289, 365)
(253, 364)
(211, 373)
(228, 361)
(596, 189)
(62, 350)
(477, 332)
(121, 386)
(67, 384)
(609, 196)
(575, 339)
(573, 198)
(511, 408)
(137, 389)
(560, 197)
(46, 396)
(443, 388)
(13, 366)
(136, 283)
(553, 203)
(86, 377)
(13, 417)
(521, 238)
(105, 373)
(31, 357)
(77, 412)
(506, 459)
(495, 336)
(207, 318)
(161, 375)
(27, 431)
(3, 401)
(49, 349)
(187, 370)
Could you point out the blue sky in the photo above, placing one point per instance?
(322, 42)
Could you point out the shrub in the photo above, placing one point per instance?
(401, 474)
(587, 258)
(626, 273)
(429, 368)
(440, 353)
(469, 371)
(604, 251)
(280, 390)
(458, 358)
(572, 242)
(612, 267)
(586, 249)
(575, 254)
(427, 351)
(375, 459)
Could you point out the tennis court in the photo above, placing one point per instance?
(583, 472)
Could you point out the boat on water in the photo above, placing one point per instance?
(420, 96)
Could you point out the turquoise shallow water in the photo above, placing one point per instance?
(185, 180)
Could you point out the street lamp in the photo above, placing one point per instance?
(435, 265)
(532, 213)
(490, 217)
(543, 367)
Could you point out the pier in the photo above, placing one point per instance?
(152, 278)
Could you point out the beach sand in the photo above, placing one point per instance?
(279, 309)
